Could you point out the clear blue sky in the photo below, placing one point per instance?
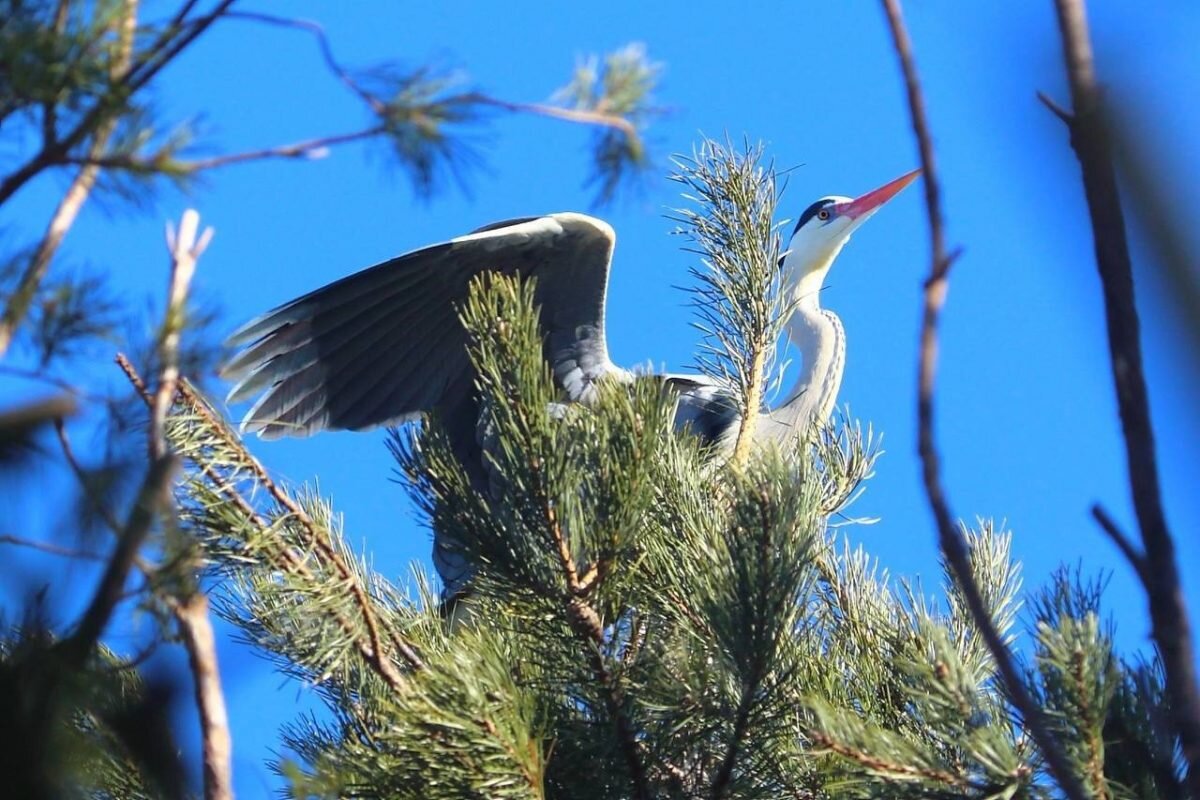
(1027, 423)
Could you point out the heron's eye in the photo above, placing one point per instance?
(823, 214)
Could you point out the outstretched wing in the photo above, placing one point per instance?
(385, 344)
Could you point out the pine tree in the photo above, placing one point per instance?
(650, 619)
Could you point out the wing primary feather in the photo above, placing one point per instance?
(366, 403)
(313, 338)
(280, 403)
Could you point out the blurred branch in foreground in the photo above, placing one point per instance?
(951, 539)
(1142, 167)
(1090, 139)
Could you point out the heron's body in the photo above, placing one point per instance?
(385, 345)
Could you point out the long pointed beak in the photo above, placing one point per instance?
(871, 201)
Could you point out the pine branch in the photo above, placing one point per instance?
(133, 77)
(952, 542)
(1168, 614)
(285, 557)
(739, 297)
(582, 116)
(76, 195)
(883, 766)
(306, 149)
(365, 607)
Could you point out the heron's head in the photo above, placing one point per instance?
(823, 230)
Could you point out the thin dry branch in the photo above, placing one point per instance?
(580, 116)
(191, 613)
(185, 249)
(306, 149)
(51, 549)
(951, 539)
(1160, 575)
(197, 633)
(1128, 549)
(316, 147)
(331, 63)
(155, 492)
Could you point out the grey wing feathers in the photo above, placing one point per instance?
(386, 344)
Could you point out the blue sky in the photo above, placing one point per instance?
(1027, 419)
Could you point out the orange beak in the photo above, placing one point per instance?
(872, 200)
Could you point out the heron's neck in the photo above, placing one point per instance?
(818, 335)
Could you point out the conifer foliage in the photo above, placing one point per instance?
(649, 620)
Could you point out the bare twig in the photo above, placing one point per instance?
(307, 149)
(1056, 109)
(152, 496)
(580, 116)
(134, 378)
(155, 493)
(1128, 549)
(25, 418)
(197, 633)
(331, 63)
(184, 248)
(1160, 576)
(52, 549)
(952, 542)
(81, 477)
(76, 195)
(317, 147)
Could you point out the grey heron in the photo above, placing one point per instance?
(385, 345)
